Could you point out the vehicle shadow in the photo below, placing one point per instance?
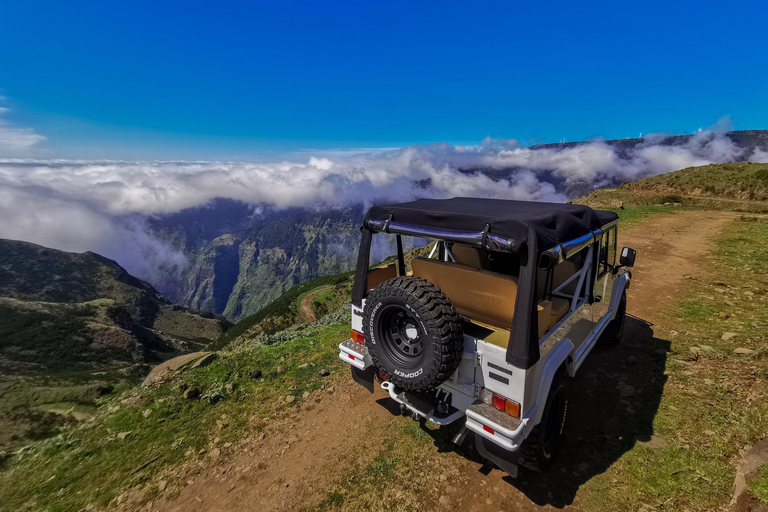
(601, 424)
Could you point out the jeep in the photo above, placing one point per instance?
(487, 329)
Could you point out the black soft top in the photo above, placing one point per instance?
(550, 223)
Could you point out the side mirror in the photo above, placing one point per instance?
(627, 258)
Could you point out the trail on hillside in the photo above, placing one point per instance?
(297, 460)
(306, 311)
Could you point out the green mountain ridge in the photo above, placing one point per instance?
(74, 325)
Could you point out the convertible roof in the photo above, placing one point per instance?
(550, 223)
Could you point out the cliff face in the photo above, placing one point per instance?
(243, 257)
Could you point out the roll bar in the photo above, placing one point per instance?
(482, 239)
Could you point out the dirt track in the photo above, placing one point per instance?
(296, 461)
(306, 311)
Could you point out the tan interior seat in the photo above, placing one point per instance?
(479, 294)
(559, 308)
(467, 255)
(378, 275)
(561, 272)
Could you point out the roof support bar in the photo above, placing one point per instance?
(492, 242)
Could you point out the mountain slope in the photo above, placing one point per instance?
(79, 311)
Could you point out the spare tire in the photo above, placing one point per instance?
(413, 333)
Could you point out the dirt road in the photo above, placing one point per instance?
(295, 463)
(306, 311)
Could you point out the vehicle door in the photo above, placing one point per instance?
(604, 275)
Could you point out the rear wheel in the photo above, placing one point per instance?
(413, 333)
(538, 451)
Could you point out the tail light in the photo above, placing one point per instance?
(358, 337)
(499, 402)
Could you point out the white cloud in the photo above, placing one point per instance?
(16, 141)
(99, 205)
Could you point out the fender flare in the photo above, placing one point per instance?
(557, 358)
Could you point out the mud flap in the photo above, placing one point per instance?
(504, 459)
(364, 377)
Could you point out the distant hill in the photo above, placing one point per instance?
(734, 186)
(67, 311)
(748, 181)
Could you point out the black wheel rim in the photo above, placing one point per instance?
(400, 336)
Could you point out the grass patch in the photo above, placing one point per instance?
(91, 465)
(714, 400)
(759, 486)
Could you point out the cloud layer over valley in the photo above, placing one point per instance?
(101, 206)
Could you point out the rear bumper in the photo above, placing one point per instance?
(509, 439)
(355, 354)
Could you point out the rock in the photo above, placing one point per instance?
(729, 303)
(161, 485)
(651, 442)
(146, 413)
(255, 374)
(443, 477)
(706, 348)
(281, 369)
(215, 453)
(632, 360)
(229, 389)
(305, 395)
(227, 445)
(272, 375)
(728, 336)
(324, 373)
(172, 365)
(723, 315)
(191, 392)
(679, 362)
(132, 400)
(205, 360)
(709, 432)
(690, 333)
(122, 435)
(292, 388)
(305, 365)
(332, 389)
(749, 294)
(694, 350)
(625, 390)
(709, 382)
(290, 398)
(744, 351)
(719, 290)
(222, 424)
(674, 333)
(616, 203)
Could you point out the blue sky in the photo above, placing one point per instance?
(254, 81)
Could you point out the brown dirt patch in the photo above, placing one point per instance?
(306, 312)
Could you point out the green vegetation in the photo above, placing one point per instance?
(759, 486)
(283, 312)
(91, 465)
(747, 181)
(712, 404)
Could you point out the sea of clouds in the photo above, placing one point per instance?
(103, 206)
